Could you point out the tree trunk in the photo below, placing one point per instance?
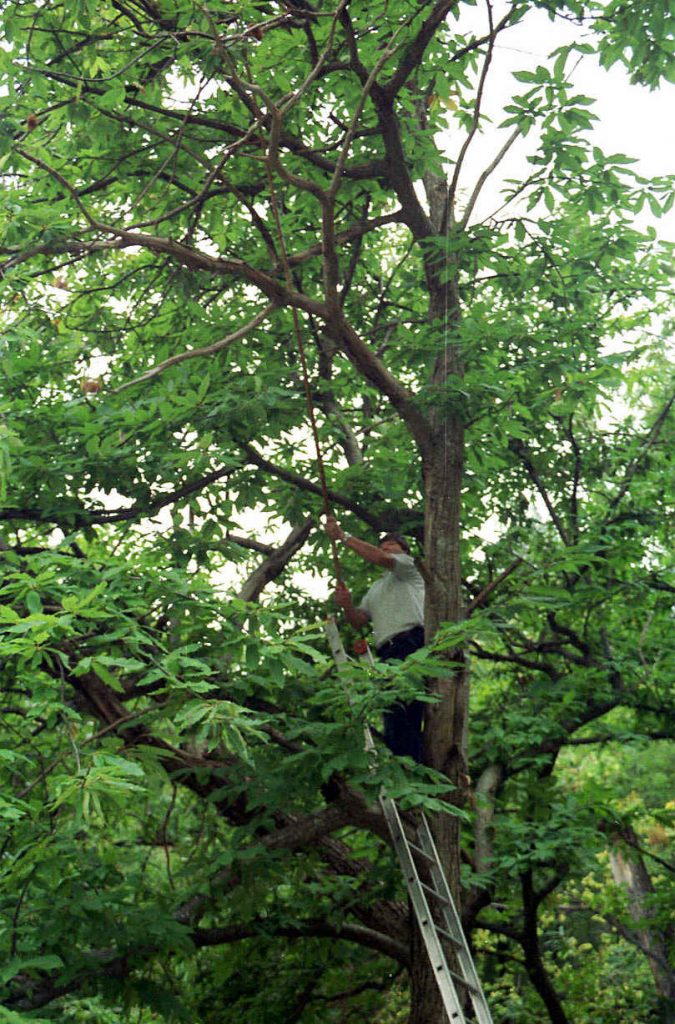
(629, 871)
(534, 965)
(446, 723)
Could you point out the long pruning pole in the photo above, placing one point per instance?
(305, 372)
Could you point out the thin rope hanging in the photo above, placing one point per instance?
(303, 364)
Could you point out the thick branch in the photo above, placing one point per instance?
(485, 791)
(306, 929)
(373, 369)
(196, 353)
(630, 873)
(358, 351)
(591, 741)
(248, 542)
(119, 515)
(415, 51)
(533, 960)
(356, 231)
(275, 563)
(378, 523)
(516, 659)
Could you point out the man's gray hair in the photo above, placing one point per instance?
(398, 539)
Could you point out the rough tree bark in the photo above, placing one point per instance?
(630, 872)
(446, 723)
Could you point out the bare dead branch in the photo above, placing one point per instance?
(486, 174)
(476, 110)
(196, 353)
(275, 563)
(517, 446)
(330, 257)
(480, 598)
(649, 441)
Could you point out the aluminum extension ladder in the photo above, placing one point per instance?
(429, 894)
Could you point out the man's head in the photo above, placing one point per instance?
(394, 544)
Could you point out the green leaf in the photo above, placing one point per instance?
(20, 964)
(33, 603)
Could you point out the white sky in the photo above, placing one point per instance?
(631, 119)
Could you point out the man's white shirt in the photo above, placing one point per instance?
(395, 602)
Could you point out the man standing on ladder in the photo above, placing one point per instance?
(395, 606)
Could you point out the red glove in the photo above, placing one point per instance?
(343, 596)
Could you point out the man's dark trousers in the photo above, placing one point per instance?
(403, 721)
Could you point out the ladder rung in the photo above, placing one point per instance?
(423, 853)
(434, 892)
(462, 981)
(458, 977)
(447, 935)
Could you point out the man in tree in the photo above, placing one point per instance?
(395, 606)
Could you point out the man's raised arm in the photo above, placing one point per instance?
(360, 547)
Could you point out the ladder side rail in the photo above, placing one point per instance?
(335, 641)
(440, 881)
(423, 915)
(367, 659)
(454, 924)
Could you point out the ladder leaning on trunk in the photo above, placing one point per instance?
(430, 896)
(424, 851)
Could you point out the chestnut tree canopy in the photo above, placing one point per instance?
(189, 824)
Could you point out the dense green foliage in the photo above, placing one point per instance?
(189, 827)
